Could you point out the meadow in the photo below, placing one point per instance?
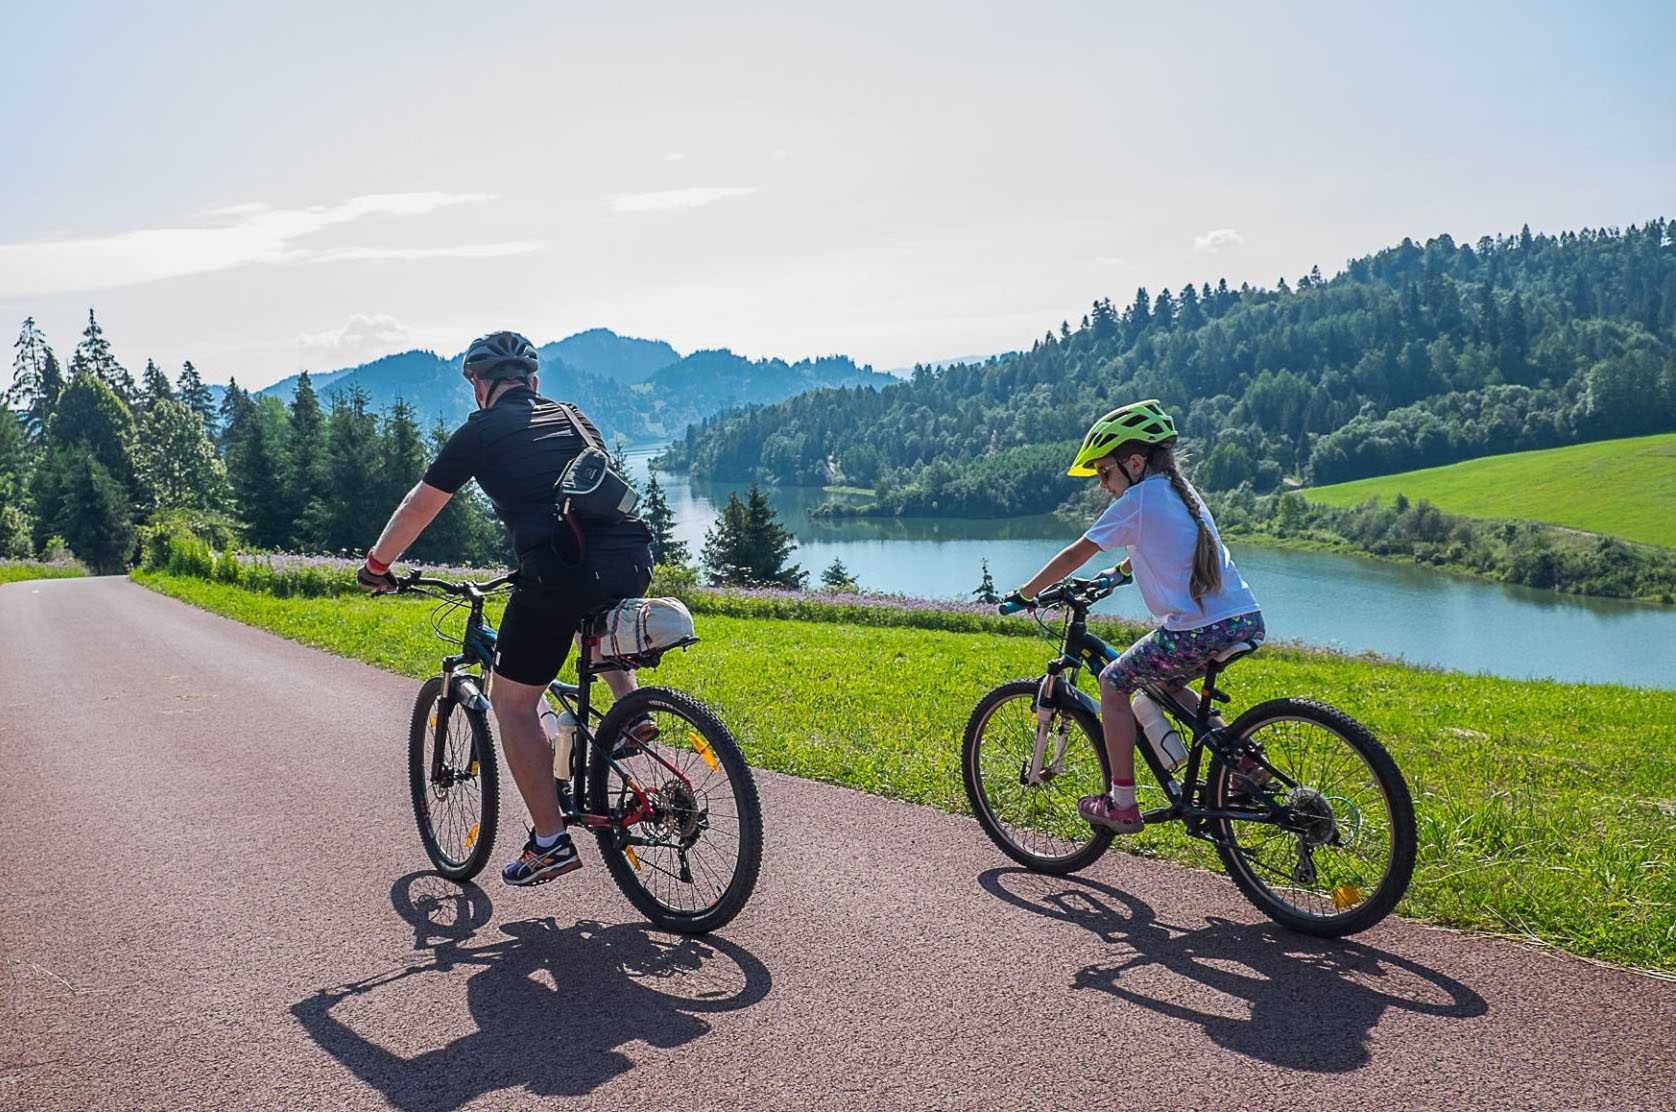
(15, 571)
(1546, 811)
(1621, 488)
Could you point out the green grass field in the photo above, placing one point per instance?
(1624, 488)
(15, 571)
(1546, 811)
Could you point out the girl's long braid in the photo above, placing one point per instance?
(1207, 560)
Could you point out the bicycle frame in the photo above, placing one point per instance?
(1188, 796)
(477, 645)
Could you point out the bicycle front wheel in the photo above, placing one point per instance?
(454, 781)
(689, 865)
(1345, 855)
(1037, 824)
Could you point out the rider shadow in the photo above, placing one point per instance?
(1312, 1002)
(552, 1005)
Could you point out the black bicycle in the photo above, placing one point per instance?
(658, 778)
(1308, 812)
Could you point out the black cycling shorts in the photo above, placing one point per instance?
(552, 599)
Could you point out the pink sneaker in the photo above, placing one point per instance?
(1100, 811)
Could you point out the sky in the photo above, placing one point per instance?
(262, 189)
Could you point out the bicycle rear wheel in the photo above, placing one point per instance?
(456, 802)
(1347, 857)
(1036, 825)
(692, 863)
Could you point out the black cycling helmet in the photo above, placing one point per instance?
(500, 355)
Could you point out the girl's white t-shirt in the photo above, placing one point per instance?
(1150, 521)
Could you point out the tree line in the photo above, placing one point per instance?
(1421, 354)
(91, 457)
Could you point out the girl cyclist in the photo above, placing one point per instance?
(1184, 573)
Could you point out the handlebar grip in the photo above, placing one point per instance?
(1011, 607)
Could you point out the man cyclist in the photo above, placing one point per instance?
(516, 445)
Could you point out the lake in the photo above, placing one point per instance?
(1344, 602)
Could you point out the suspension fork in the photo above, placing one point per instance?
(1049, 700)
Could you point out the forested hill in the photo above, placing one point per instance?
(1416, 355)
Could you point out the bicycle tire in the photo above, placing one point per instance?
(1393, 789)
(971, 761)
(477, 838)
(702, 722)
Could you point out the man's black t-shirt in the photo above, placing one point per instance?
(516, 450)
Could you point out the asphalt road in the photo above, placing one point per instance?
(214, 897)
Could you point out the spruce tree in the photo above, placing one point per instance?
(85, 504)
(986, 587)
(16, 463)
(233, 413)
(308, 482)
(154, 385)
(768, 544)
(837, 577)
(726, 546)
(196, 395)
(37, 380)
(256, 461)
(93, 354)
(402, 455)
(352, 452)
(90, 414)
(655, 512)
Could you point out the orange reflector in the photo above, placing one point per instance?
(473, 770)
(634, 858)
(433, 718)
(1347, 895)
(704, 750)
(471, 837)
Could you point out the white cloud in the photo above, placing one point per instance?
(677, 198)
(1216, 239)
(363, 337)
(1111, 260)
(242, 234)
(674, 156)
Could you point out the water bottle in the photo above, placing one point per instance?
(1161, 736)
(561, 735)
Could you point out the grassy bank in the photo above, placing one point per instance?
(1546, 810)
(14, 571)
(1622, 488)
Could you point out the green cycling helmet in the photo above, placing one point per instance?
(1144, 421)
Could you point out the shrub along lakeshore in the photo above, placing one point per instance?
(1545, 810)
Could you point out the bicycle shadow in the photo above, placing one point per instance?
(552, 1005)
(1311, 1002)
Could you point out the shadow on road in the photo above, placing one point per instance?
(1310, 1002)
(550, 1004)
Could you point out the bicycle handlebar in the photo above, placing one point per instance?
(467, 589)
(1073, 591)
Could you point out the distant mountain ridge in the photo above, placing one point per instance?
(639, 391)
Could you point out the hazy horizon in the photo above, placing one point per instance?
(267, 191)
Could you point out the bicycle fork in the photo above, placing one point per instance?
(1040, 770)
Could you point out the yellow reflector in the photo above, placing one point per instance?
(471, 837)
(433, 718)
(634, 858)
(1347, 895)
(704, 750)
(474, 768)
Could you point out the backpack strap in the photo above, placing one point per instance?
(575, 416)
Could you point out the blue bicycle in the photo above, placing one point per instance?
(1309, 814)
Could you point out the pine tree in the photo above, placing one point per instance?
(234, 411)
(352, 451)
(91, 415)
(986, 588)
(154, 385)
(837, 577)
(655, 512)
(197, 396)
(402, 455)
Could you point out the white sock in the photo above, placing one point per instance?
(1123, 794)
(548, 843)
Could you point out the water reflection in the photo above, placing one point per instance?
(1345, 602)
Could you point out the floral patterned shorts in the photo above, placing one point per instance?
(1165, 654)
